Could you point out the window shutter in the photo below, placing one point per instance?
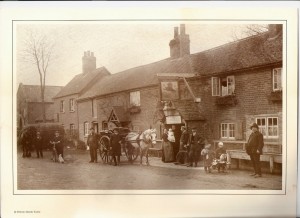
(239, 130)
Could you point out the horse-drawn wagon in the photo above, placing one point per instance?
(133, 144)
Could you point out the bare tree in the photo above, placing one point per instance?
(249, 30)
(38, 50)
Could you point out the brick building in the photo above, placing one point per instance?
(238, 83)
(29, 104)
(65, 102)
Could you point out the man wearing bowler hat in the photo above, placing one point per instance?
(92, 142)
(254, 148)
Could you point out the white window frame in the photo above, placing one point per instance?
(133, 96)
(278, 83)
(86, 128)
(62, 106)
(72, 105)
(267, 126)
(227, 131)
(215, 86)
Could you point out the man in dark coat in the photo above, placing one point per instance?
(254, 148)
(181, 156)
(196, 144)
(38, 145)
(115, 146)
(93, 144)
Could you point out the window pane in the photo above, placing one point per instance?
(135, 98)
(258, 121)
(270, 131)
(270, 123)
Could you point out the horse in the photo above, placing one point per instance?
(142, 142)
(26, 140)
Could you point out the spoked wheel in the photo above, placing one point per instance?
(104, 149)
(131, 152)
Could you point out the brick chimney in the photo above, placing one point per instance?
(180, 45)
(88, 62)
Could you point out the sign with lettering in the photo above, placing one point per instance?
(173, 120)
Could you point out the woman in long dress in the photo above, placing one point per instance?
(167, 147)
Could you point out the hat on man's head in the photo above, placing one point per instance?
(194, 128)
(56, 131)
(91, 128)
(254, 125)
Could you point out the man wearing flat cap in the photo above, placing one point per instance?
(254, 148)
(92, 143)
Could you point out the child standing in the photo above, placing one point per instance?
(207, 158)
(221, 155)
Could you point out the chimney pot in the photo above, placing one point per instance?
(182, 29)
(175, 32)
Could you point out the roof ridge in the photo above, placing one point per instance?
(230, 43)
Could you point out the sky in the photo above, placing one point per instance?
(116, 45)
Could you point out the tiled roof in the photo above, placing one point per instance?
(245, 53)
(32, 93)
(137, 77)
(249, 52)
(81, 82)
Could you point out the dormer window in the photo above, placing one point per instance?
(222, 86)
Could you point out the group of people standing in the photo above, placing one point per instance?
(191, 143)
(38, 142)
(196, 147)
(115, 146)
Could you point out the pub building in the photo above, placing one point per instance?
(220, 91)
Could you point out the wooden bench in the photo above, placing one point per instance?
(267, 157)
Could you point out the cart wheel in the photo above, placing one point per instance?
(104, 149)
(131, 152)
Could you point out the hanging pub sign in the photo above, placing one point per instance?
(173, 119)
(169, 90)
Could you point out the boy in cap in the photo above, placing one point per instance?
(254, 148)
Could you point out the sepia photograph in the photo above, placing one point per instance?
(126, 111)
(186, 108)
